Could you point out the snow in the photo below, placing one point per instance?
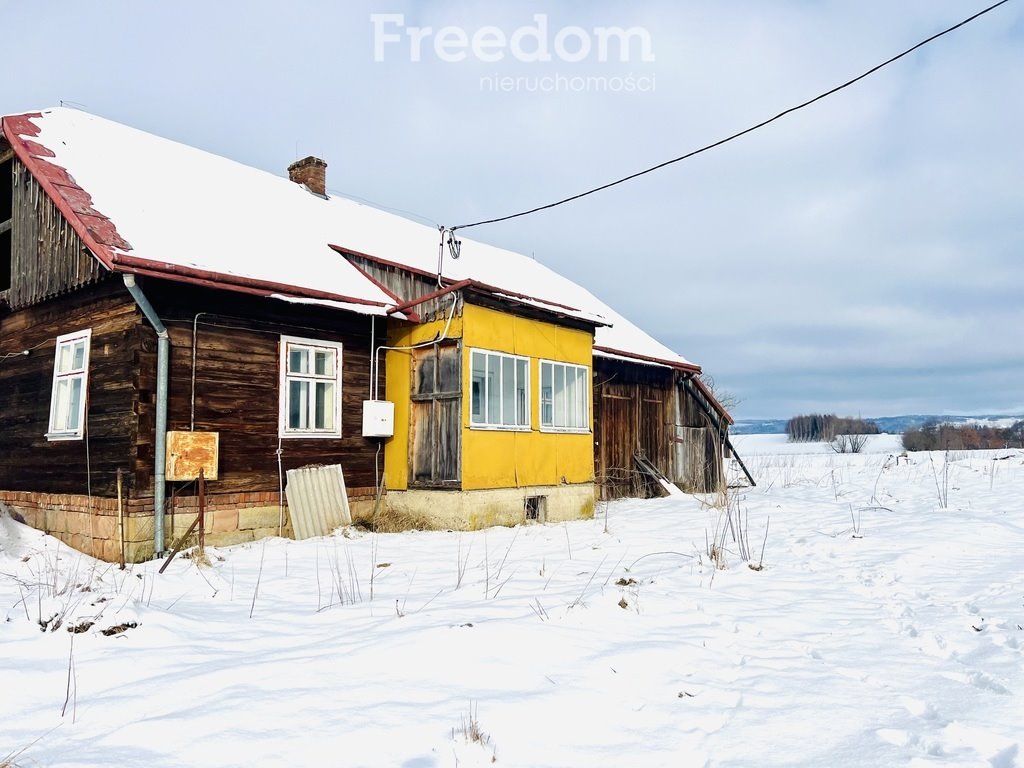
(187, 207)
(344, 305)
(179, 205)
(885, 628)
(747, 445)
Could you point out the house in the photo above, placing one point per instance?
(151, 292)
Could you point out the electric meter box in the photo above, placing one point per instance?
(378, 418)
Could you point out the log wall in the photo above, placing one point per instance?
(237, 385)
(28, 461)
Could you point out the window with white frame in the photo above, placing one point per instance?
(310, 388)
(564, 396)
(500, 390)
(70, 380)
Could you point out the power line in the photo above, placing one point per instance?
(744, 132)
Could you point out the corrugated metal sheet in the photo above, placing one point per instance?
(317, 500)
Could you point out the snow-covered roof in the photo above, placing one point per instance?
(144, 203)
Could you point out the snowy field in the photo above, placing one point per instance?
(884, 629)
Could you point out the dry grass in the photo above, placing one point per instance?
(389, 520)
(470, 730)
(10, 760)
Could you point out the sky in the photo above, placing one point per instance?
(861, 256)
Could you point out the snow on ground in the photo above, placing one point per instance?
(752, 445)
(884, 629)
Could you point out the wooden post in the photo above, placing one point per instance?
(120, 515)
(202, 510)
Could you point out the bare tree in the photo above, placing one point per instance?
(727, 399)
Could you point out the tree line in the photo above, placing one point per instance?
(816, 427)
(933, 436)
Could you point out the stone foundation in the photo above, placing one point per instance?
(473, 510)
(92, 525)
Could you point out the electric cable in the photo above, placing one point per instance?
(735, 136)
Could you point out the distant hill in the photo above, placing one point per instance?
(894, 425)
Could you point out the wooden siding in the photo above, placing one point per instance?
(408, 286)
(28, 461)
(48, 258)
(701, 434)
(633, 411)
(647, 408)
(237, 385)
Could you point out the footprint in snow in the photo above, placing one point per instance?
(978, 680)
(918, 708)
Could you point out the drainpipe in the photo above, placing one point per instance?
(163, 350)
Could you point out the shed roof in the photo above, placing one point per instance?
(154, 206)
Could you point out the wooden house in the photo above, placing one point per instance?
(138, 301)
(151, 292)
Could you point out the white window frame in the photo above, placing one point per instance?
(488, 422)
(61, 426)
(284, 390)
(549, 425)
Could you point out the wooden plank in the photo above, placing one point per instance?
(27, 458)
(237, 384)
(48, 258)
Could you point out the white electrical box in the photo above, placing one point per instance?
(378, 418)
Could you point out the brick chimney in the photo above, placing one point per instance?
(311, 171)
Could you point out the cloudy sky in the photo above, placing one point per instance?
(862, 256)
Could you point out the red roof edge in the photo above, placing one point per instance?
(384, 289)
(377, 259)
(124, 263)
(687, 367)
(468, 282)
(15, 128)
(427, 297)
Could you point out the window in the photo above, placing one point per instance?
(564, 397)
(70, 379)
(310, 388)
(534, 509)
(500, 390)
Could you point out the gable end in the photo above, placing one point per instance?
(44, 257)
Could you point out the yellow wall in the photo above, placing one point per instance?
(497, 458)
(398, 372)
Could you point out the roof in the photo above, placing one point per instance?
(152, 206)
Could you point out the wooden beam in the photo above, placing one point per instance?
(6, 154)
(5, 226)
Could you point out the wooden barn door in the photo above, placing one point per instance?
(617, 443)
(652, 431)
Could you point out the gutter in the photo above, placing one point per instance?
(163, 350)
(225, 281)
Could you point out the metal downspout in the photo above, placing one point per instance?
(163, 350)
